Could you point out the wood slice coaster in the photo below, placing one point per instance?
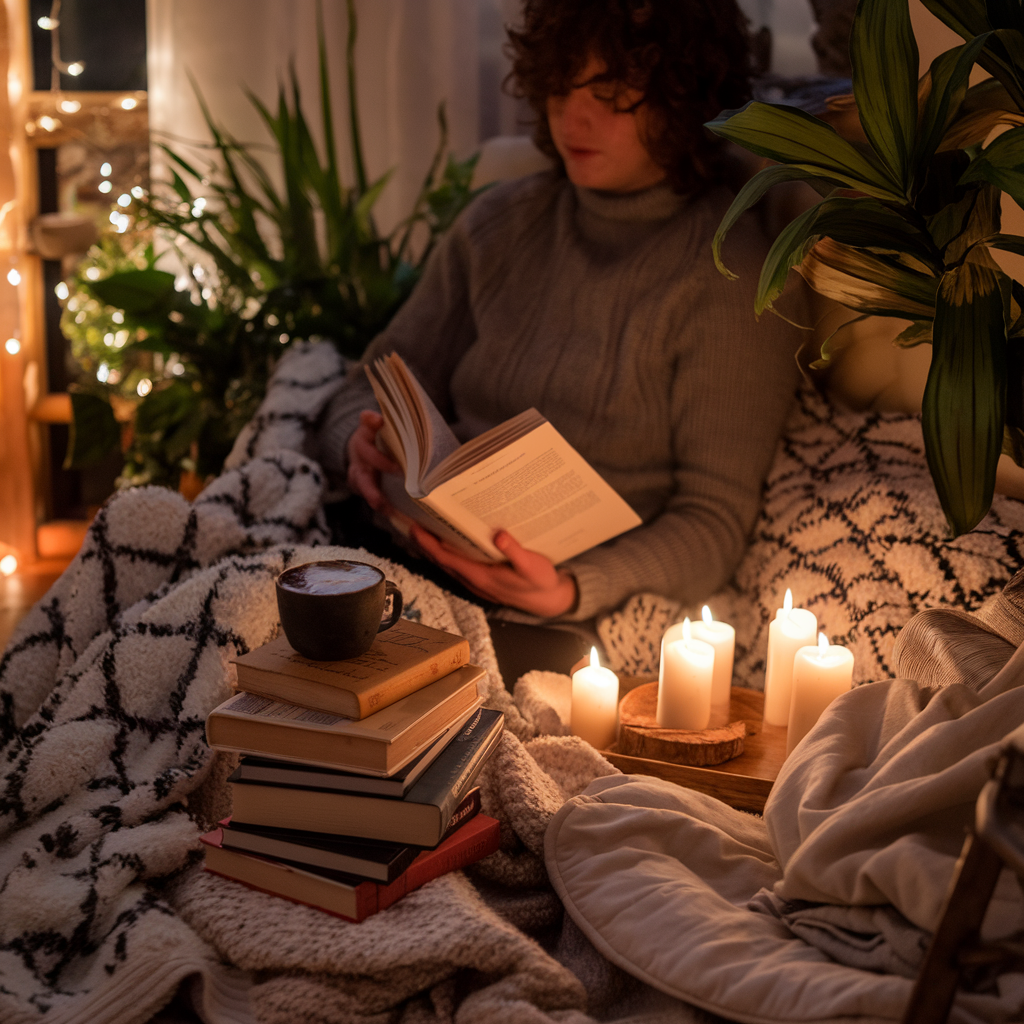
(640, 735)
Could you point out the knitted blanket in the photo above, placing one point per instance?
(108, 783)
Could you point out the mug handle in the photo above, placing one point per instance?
(396, 605)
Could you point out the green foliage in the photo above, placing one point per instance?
(906, 222)
(263, 266)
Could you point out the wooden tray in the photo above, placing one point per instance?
(745, 781)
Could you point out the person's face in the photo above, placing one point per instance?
(598, 137)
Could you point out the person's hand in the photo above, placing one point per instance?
(366, 461)
(529, 581)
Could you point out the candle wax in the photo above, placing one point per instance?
(817, 680)
(786, 635)
(684, 691)
(595, 706)
(722, 638)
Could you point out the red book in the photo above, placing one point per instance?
(345, 895)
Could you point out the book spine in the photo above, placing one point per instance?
(415, 678)
(477, 840)
(469, 808)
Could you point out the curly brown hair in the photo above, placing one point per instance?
(690, 59)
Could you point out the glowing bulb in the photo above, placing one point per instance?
(103, 373)
(8, 564)
(144, 387)
(177, 369)
(76, 68)
(283, 339)
(822, 645)
(93, 273)
(117, 316)
(129, 103)
(114, 217)
(687, 630)
(120, 339)
(123, 222)
(48, 123)
(13, 277)
(124, 199)
(105, 187)
(138, 191)
(13, 346)
(594, 660)
(705, 614)
(787, 603)
(180, 283)
(108, 339)
(70, 106)
(105, 169)
(47, 24)
(61, 291)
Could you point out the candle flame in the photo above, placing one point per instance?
(705, 614)
(787, 603)
(686, 630)
(822, 645)
(594, 660)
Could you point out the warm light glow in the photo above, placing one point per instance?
(47, 24)
(105, 169)
(177, 369)
(198, 206)
(129, 103)
(144, 387)
(76, 68)
(687, 630)
(787, 603)
(61, 291)
(138, 191)
(705, 614)
(180, 283)
(93, 273)
(8, 564)
(108, 339)
(124, 199)
(104, 187)
(594, 660)
(120, 339)
(48, 124)
(122, 223)
(103, 373)
(822, 645)
(283, 339)
(13, 277)
(70, 106)
(13, 346)
(117, 316)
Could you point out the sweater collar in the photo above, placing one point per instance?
(656, 203)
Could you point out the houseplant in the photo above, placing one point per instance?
(906, 222)
(260, 268)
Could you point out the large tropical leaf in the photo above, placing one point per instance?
(963, 411)
(967, 18)
(787, 135)
(94, 432)
(883, 53)
(135, 291)
(1001, 164)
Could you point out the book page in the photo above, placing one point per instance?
(539, 489)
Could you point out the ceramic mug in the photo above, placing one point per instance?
(332, 610)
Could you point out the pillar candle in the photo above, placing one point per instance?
(595, 704)
(820, 674)
(792, 629)
(722, 638)
(684, 690)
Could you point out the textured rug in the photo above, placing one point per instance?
(851, 523)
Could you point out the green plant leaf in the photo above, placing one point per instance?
(963, 410)
(968, 18)
(135, 291)
(787, 135)
(1001, 164)
(918, 333)
(94, 432)
(883, 53)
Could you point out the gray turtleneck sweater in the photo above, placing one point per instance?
(606, 313)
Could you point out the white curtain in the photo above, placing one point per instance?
(410, 55)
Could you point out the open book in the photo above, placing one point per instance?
(521, 476)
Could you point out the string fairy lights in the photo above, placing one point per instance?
(51, 24)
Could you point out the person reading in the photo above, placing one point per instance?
(589, 293)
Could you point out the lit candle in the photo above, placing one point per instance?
(595, 703)
(820, 674)
(792, 629)
(684, 690)
(722, 638)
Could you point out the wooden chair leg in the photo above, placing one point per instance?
(974, 881)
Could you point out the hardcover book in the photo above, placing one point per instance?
(521, 476)
(346, 895)
(400, 661)
(378, 745)
(420, 818)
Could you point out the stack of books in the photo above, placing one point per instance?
(357, 783)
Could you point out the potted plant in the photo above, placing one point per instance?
(188, 355)
(907, 220)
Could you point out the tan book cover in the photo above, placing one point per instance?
(403, 659)
(378, 745)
